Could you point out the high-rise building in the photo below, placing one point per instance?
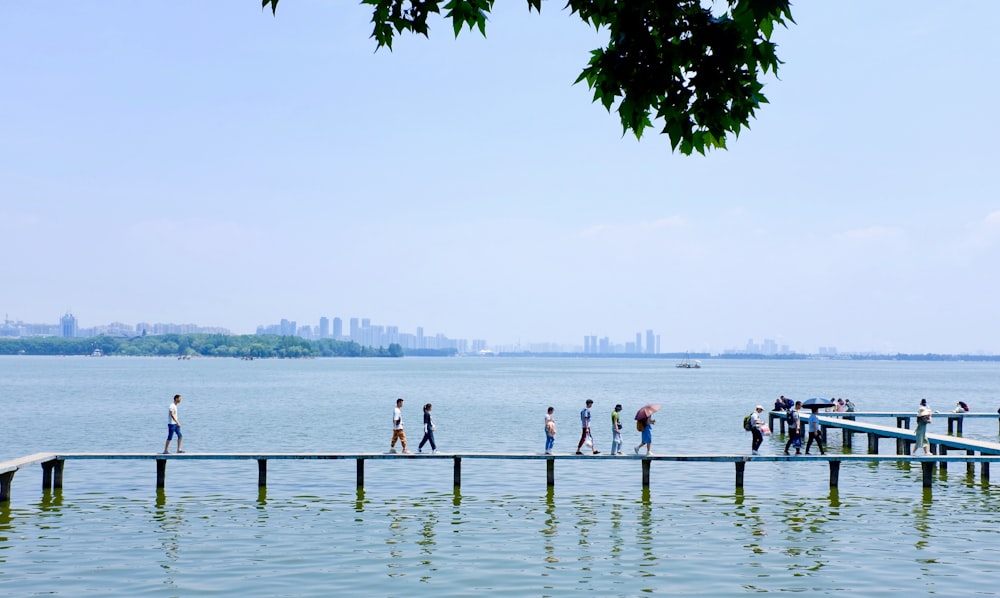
(650, 342)
(338, 329)
(355, 330)
(324, 327)
(67, 326)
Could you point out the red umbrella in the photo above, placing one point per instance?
(647, 411)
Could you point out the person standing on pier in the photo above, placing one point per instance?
(756, 425)
(585, 422)
(794, 429)
(397, 428)
(923, 418)
(645, 426)
(173, 426)
(428, 431)
(814, 432)
(616, 431)
(550, 430)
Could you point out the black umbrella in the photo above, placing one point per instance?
(817, 403)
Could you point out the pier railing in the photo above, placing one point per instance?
(52, 464)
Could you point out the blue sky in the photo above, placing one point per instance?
(208, 162)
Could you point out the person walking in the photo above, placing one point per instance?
(645, 426)
(428, 431)
(616, 431)
(550, 430)
(585, 423)
(173, 426)
(756, 429)
(794, 429)
(923, 418)
(397, 428)
(814, 432)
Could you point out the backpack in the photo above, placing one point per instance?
(746, 423)
(640, 425)
(792, 418)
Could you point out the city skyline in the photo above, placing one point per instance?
(278, 165)
(368, 333)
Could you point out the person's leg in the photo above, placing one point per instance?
(180, 437)
(809, 442)
(430, 437)
(402, 440)
(583, 438)
(170, 436)
(788, 443)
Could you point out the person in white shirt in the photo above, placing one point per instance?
(756, 423)
(173, 426)
(397, 428)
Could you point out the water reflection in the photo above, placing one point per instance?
(170, 520)
(644, 535)
(551, 529)
(922, 520)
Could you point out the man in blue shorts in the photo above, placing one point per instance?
(173, 426)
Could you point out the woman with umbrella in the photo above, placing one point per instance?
(644, 423)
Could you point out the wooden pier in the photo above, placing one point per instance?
(52, 464)
(955, 420)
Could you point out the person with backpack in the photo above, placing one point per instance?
(756, 425)
(794, 429)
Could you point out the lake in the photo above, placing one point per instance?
(109, 532)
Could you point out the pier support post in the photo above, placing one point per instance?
(943, 464)
(984, 471)
(47, 475)
(262, 473)
(834, 474)
(5, 479)
(550, 473)
(645, 473)
(161, 473)
(57, 473)
(928, 468)
(873, 443)
(457, 474)
(970, 467)
(361, 473)
(740, 468)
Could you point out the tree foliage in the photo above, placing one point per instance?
(675, 62)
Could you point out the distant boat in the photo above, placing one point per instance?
(688, 365)
(97, 353)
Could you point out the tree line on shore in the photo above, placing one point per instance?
(192, 345)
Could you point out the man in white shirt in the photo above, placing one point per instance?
(756, 423)
(397, 428)
(173, 426)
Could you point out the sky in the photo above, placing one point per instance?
(208, 162)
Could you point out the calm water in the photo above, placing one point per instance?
(110, 533)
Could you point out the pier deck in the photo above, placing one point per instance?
(52, 463)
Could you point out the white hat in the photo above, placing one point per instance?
(759, 407)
